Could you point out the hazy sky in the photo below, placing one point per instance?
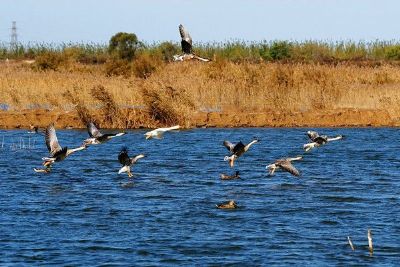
(207, 20)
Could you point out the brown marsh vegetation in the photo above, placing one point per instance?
(177, 93)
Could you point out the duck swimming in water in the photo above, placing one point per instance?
(33, 129)
(57, 153)
(285, 164)
(237, 150)
(159, 133)
(46, 170)
(318, 140)
(227, 205)
(126, 161)
(230, 177)
(96, 137)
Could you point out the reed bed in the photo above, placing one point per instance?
(173, 92)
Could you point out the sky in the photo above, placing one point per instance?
(77, 21)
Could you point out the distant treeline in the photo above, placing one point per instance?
(236, 51)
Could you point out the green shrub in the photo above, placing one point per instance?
(393, 52)
(124, 45)
(280, 50)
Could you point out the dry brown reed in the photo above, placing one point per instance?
(175, 92)
(83, 113)
(166, 105)
(145, 65)
(111, 112)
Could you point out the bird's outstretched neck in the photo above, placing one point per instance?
(231, 159)
(309, 146)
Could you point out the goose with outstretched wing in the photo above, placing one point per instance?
(236, 150)
(126, 161)
(285, 164)
(158, 133)
(187, 48)
(318, 140)
(186, 40)
(57, 153)
(96, 137)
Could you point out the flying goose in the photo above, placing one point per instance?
(186, 42)
(186, 45)
(227, 205)
(158, 133)
(285, 164)
(230, 177)
(57, 153)
(236, 150)
(318, 140)
(96, 137)
(126, 161)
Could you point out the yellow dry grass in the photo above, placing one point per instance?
(221, 85)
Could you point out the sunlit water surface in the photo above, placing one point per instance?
(84, 213)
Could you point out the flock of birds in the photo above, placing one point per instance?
(284, 164)
(59, 153)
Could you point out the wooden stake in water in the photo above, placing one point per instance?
(350, 243)
(371, 249)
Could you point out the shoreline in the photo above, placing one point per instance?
(271, 119)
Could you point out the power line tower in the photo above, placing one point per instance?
(14, 35)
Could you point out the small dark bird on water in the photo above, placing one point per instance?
(33, 129)
(230, 177)
(227, 205)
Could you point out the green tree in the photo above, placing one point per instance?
(280, 50)
(124, 45)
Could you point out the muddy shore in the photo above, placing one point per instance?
(334, 118)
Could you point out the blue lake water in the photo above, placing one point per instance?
(84, 213)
